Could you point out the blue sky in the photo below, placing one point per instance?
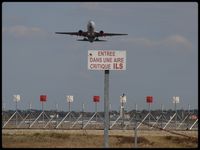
(161, 47)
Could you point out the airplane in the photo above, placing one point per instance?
(91, 35)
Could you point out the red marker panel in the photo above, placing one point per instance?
(96, 98)
(149, 99)
(43, 98)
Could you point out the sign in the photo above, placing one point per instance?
(176, 99)
(70, 98)
(149, 99)
(106, 60)
(43, 98)
(122, 99)
(16, 98)
(96, 98)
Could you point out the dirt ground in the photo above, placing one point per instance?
(95, 139)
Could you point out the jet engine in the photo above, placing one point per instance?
(101, 33)
(80, 32)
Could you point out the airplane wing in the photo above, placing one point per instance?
(100, 34)
(73, 33)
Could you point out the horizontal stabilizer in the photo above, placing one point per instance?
(82, 40)
(97, 40)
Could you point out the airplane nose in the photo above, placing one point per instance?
(92, 23)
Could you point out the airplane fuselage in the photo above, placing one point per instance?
(91, 31)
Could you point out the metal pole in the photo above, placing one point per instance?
(82, 114)
(109, 113)
(96, 111)
(188, 116)
(3, 114)
(63, 120)
(16, 114)
(56, 114)
(149, 114)
(9, 119)
(69, 115)
(122, 114)
(43, 112)
(135, 126)
(68, 106)
(161, 115)
(30, 114)
(193, 124)
(115, 122)
(135, 108)
(89, 120)
(188, 108)
(106, 109)
(182, 113)
(176, 115)
(169, 121)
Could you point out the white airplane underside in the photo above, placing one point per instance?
(91, 39)
(91, 35)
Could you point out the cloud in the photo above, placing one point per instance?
(141, 41)
(90, 5)
(176, 40)
(98, 7)
(173, 40)
(23, 31)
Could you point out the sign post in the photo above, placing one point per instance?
(57, 116)
(161, 115)
(83, 109)
(3, 114)
(188, 116)
(175, 101)
(149, 100)
(135, 129)
(16, 99)
(43, 99)
(70, 99)
(30, 107)
(122, 100)
(106, 60)
(106, 109)
(96, 99)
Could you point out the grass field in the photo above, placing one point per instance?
(94, 139)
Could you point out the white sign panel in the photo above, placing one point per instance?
(122, 99)
(70, 98)
(106, 60)
(176, 99)
(16, 98)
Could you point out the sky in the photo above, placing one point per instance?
(161, 48)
